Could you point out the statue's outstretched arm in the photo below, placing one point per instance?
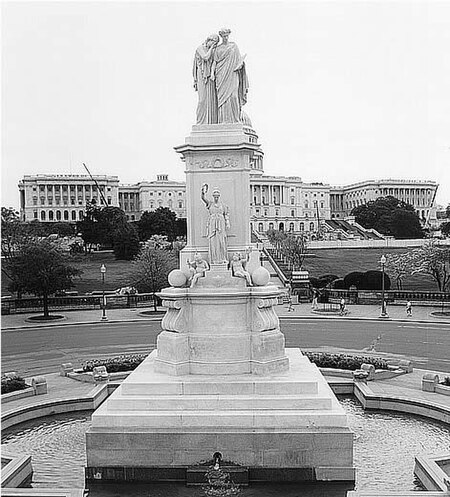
(203, 194)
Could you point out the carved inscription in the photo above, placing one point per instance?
(215, 163)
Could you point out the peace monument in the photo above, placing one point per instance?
(221, 379)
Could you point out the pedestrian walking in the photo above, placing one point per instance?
(342, 306)
(409, 308)
(314, 304)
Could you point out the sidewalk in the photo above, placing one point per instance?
(420, 314)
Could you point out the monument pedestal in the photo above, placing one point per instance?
(221, 379)
(284, 427)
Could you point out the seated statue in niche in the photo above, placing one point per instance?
(238, 266)
(197, 268)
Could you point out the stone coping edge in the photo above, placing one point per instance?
(17, 394)
(17, 469)
(43, 492)
(47, 408)
(427, 409)
(429, 472)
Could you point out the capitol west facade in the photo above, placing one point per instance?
(277, 202)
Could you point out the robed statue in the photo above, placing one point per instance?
(203, 84)
(221, 81)
(217, 225)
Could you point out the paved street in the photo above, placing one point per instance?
(32, 351)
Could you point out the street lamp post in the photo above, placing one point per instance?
(103, 272)
(384, 313)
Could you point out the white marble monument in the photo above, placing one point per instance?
(221, 379)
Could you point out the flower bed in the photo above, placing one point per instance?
(344, 361)
(445, 381)
(12, 384)
(115, 364)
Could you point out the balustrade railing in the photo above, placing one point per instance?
(36, 304)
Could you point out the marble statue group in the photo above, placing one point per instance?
(220, 79)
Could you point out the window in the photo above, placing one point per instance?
(66, 215)
(180, 193)
(35, 201)
(292, 200)
(58, 215)
(277, 212)
(322, 205)
(180, 205)
(260, 227)
(291, 226)
(50, 215)
(80, 215)
(311, 226)
(74, 215)
(293, 213)
(35, 214)
(271, 226)
(42, 215)
(109, 200)
(302, 226)
(257, 212)
(72, 201)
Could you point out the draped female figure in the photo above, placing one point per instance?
(217, 225)
(203, 84)
(231, 80)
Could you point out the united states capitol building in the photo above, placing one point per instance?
(277, 202)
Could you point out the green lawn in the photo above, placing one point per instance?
(328, 261)
(116, 275)
(344, 261)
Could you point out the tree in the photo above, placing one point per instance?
(40, 267)
(15, 234)
(399, 266)
(126, 242)
(162, 221)
(445, 228)
(101, 225)
(150, 269)
(293, 248)
(389, 216)
(434, 261)
(276, 238)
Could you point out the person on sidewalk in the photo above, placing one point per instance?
(409, 308)
(289, 297)
(342, 309)
(315, 303)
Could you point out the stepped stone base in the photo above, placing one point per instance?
(288, 426)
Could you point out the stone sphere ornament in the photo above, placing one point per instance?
(260, 276)
(177, 278)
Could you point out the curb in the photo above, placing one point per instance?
(77, 323)
(281, 317)
(362, 318)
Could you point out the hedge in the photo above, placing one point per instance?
(13, 384)
(115, 364)
(321, 359)
(344, 361)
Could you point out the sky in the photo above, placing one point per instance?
(340, 92)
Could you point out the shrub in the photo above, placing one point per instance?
(353, 279)
(115, 364)
(344, 361)
(446, 381)
(13, 384)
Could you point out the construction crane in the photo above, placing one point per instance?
(96, 184)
